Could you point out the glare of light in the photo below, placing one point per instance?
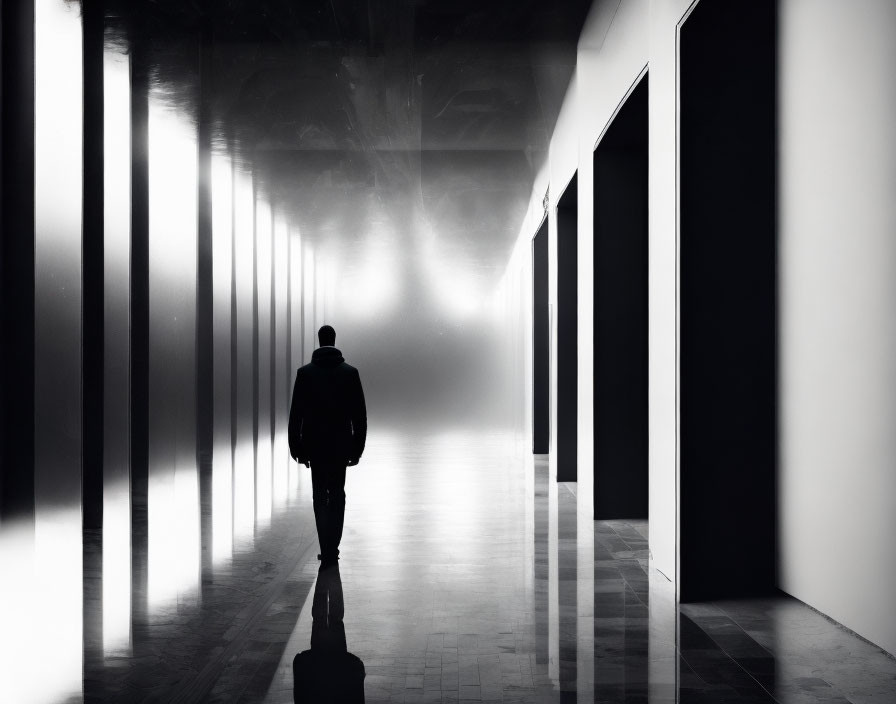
(369, 280)
(264, 280)
(452, 283)
(117, 570)
(57, 618)
(222, 263)
(173, 558)
(19, 664)
(244, 452)
(41, 606)
(378, 481)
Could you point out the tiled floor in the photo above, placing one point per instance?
(465, 576)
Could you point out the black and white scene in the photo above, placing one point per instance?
(448, 351)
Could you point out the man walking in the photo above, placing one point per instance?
(327, 432)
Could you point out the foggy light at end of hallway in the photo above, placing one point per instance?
(453, 285)
(366, 284)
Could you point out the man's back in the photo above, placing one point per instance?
(328, 416)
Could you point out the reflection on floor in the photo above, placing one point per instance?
(466, 575)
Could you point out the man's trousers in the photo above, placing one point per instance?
(328, 485)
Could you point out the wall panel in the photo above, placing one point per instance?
(173, 493)
(837, 329)
(244, 448)
(116, 352)
(58, 171)
(222, 302)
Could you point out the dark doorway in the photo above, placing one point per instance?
(727, 284)
(541, 340)
(567, 332)
(620, 313)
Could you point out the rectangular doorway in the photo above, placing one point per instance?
(620, 312)
(567, 332)
(727, 300)
(541, 342)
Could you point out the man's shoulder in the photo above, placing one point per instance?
(312, 368)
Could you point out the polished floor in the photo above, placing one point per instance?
(465, 576)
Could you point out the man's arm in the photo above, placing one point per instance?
(296, 418)
(359, 418)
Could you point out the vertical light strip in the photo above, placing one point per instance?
(282, 385)
(222, 267)
(116, 353)
(296, 278)
(298, 336)
(244, 455)
(264, 281)
(58, 184)
(173, 509)
(308, 299)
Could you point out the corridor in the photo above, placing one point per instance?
(610, 282)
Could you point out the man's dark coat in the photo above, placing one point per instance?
(328, 416)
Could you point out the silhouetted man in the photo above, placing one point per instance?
(327, 432)
(327, 672)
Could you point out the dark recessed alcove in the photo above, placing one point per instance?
(727, 305)
(567, 332)
(541, 344)
(620, 312)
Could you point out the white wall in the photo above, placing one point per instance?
(617, 41)
(837, 511)
(837, 234)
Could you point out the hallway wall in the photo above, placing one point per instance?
(614, 49)
(836, 347)
(837, 244)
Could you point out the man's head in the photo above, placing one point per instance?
(326, 336)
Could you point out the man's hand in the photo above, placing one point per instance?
(353, 461)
